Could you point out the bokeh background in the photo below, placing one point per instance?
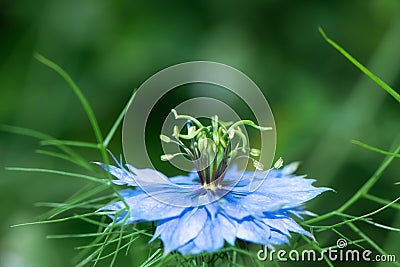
(319, 100)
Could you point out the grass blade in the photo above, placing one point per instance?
(117, 122)
(63, 157)
(78, 175)
(375, 149)
(69, 143)
(370, 183)
(381, 201)
(43, 137)
(361, 67)
(76, 90)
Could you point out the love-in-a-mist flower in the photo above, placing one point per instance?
(214, 204)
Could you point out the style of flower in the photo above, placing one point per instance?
(213, 204)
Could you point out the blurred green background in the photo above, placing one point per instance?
(319, 100)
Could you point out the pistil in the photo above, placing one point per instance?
(210, 147)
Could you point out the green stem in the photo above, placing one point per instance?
(186, 117)
(365, 237)
(42, 136)
(356, 63)
(357, 218)
(118, 122)
(69, 143)
(90, 178)
(82, 99)
(248, 123)
(375, 149)
(321, 218)
(362, 192)
(381, 201)
(371, 182)
(90, 114)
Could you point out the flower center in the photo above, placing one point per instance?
(212, 148)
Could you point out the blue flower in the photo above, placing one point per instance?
(193, 219)
(200, 212)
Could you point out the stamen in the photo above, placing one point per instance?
(210, 147)
(279, 163)
(168, 157)
(258, 165)
(249, 123)
(186, 117)
(255, 152)
(165, 138)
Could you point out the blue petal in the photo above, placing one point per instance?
(277, 224)
(244, 178)
(241, 178)
(125, 193)
(277, 238)
(212, 209)
(258, 203)
(124, 176)
(189, 248)
(253, 231)
(290, 225)
(145, 177)
(209, 239)
(298, 212)
(163, 226)
(254, 204)
(190, 179)
(295, 190)
(227, 227)
(232, 207)
(177, 195)
(121, 217)
(179, 231)
(114, 207)
(135, 177)
(146, 208)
